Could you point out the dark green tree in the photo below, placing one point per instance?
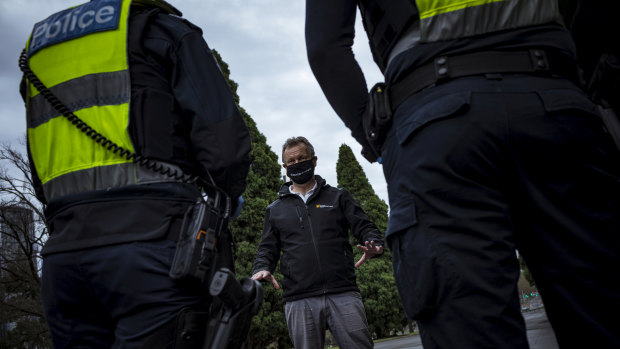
(375, 278)
(263, 181)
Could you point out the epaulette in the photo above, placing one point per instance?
(161, 4)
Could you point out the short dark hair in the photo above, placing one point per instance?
(293, 141)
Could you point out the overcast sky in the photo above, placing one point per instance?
(263, 43)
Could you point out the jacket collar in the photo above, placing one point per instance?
(320, 183)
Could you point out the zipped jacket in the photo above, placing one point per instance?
(313, 238)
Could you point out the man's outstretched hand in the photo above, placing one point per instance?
(370, 250)
(264, 274)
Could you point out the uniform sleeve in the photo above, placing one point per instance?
(218, 135)
(269, 248)
(330, 29)
(361, 226)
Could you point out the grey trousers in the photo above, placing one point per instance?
(342, 313)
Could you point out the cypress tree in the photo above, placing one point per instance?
(375, 277)
(263, 182)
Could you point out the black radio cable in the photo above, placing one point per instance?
(102, 140)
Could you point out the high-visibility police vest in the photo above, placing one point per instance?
(81, 55)
(439, 20)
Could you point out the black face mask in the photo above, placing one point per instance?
(300, 172)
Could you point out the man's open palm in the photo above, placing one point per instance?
(370, 250)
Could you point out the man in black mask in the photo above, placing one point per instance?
(309, 224)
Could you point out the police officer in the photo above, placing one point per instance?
(491, 147)
(143, 77)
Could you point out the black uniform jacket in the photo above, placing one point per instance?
(330, 31)
(182, 112)
(317, 256)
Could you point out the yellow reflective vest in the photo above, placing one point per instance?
(449, 19)
(387, 22)
(80, 54)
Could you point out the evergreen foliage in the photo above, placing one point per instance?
(21, 319)
(375, 277)
(526, 272)
(263, 182)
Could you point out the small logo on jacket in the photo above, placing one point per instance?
(323, 206)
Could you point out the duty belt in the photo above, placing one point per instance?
(444, 68)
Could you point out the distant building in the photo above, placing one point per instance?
(15, 223)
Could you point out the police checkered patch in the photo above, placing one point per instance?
(91, 17)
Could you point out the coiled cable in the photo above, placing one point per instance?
(102, 140)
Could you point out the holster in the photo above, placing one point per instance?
(377, 120)
(223, 323)
(205, 254)
(239, 301)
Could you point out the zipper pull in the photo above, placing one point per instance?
(301, 221)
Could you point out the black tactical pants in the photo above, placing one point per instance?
(477, 168)
(113, 296)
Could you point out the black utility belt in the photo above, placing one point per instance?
(383, 100)
(444, 68)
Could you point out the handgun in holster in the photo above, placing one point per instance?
(377, 120)
(239, 300)
(204, 255)
(225, 323)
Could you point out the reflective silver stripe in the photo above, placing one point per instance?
(491, 17)
(79, 93)
(104, 177)
(409, 39)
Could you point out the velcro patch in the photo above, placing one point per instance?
(91, 17)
